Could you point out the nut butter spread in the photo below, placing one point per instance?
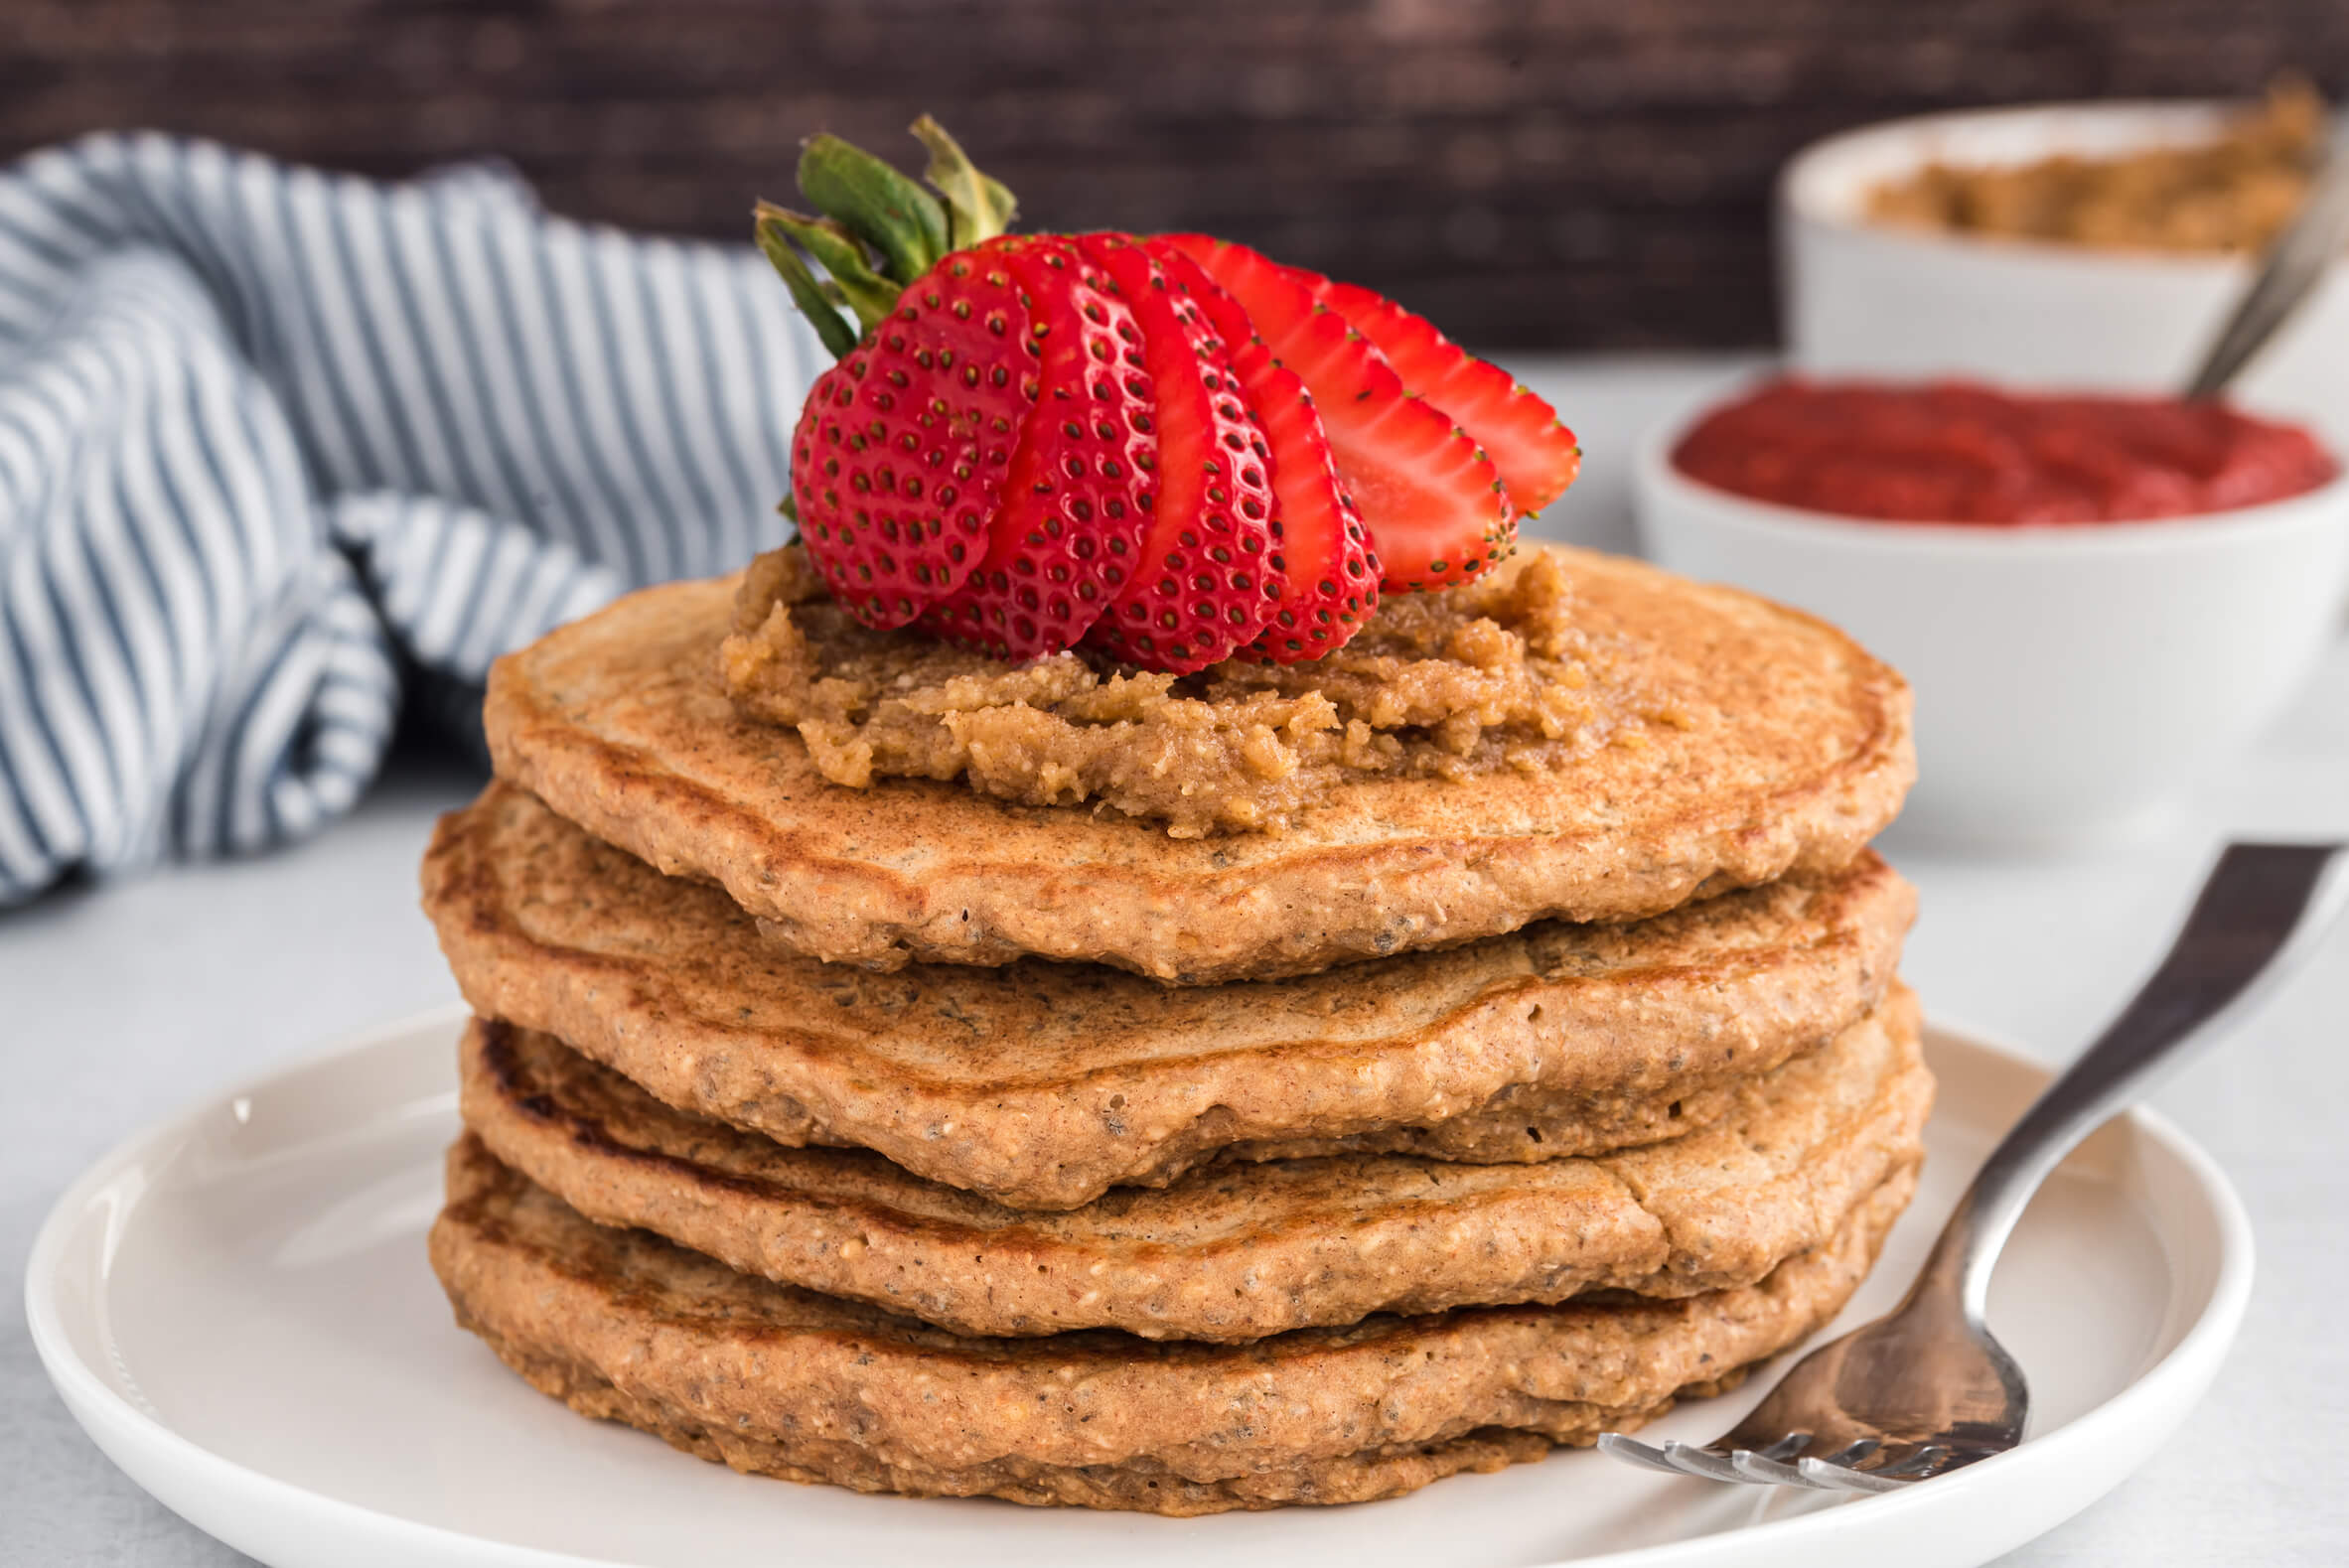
(2234, 190)
(1488, 676)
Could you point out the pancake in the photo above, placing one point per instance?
(1041, 1085)
(1788, 750)
(1234, 1252)
(623, 1326)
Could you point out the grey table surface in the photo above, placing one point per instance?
(120, 1004)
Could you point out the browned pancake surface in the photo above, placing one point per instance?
(1043, 1085)
(1795, 752)
(768, 1378)
(1233, 1251)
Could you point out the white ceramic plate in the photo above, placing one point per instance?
(237, 1308)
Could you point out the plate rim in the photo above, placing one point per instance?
(96, 1403)
(111, 1419)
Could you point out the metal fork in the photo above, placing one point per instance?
(1927, 1390)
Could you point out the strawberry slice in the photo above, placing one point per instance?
(1332, 572)
(1207, 578)
(1333, 577)
(1071, 518)
(1436, 510)
(900, 451)
(1538, 455)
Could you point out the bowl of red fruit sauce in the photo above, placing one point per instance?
(2100, 600)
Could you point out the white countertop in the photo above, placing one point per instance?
(120, 1004)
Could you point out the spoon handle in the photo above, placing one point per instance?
(2262, 908)
(2293, 265)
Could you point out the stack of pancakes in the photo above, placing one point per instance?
(915, 1141)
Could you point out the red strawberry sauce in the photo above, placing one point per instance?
(1961, 451)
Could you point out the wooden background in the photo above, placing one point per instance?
(1571, 173)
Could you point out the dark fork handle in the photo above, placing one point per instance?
(2262, 908)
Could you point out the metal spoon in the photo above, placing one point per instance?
(2290, 270)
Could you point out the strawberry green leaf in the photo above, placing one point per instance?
(883, 208)
(806, 292)
(871, 296)
(978, 207)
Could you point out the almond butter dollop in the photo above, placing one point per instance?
(1487, 676)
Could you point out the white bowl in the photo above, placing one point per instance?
(1863, 297)
(2072, 683)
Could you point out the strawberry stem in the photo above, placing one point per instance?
(867, 206)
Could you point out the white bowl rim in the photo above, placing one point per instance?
(1794, 197)
(1652, 469)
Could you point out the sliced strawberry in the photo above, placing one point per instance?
(1333, 577)
(1538, 455)
(1207, 578)
(1071, 520)
(1436, 510)
(1186, 276)
(1333, 571)
(900, 451)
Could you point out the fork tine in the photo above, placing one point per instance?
(1632, 1450)
(1695, 1461)
(1760, 1467)
(1855, 1453)
(1924, 1461)
(1843, 1477)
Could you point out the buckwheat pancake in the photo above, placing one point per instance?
(1043, 1085)
(1233, 1251)
(623, 1326)
(1788, 749)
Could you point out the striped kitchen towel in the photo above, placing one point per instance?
(279, 447)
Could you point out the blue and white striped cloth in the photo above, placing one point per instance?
(278, 446)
